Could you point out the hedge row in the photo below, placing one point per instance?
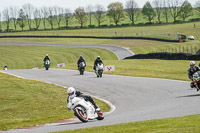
(166, 56)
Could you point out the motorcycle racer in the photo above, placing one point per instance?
(191, 71)
(98, 60)
(73, 93)
(80, 60)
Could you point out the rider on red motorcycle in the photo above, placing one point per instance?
(196, 80)
(73, 93)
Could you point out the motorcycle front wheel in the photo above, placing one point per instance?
(80, 113)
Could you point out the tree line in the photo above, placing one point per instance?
(28, 15)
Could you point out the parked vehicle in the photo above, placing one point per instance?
(190, 37)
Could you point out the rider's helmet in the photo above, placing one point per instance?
(81, 57)
(98, 57)
(71, 92)
(46, 54)
(192, 64)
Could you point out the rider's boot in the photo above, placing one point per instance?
(96, 107)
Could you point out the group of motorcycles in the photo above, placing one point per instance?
(81, 68)
(98, 69)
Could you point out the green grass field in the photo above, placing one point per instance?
(30, 102)
(23, 57)
(186, 124)
(27, 57)
(169, 31)
(31, 92)
(137, 46)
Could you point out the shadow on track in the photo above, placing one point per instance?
(196, 95)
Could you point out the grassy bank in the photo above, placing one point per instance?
(169, 31)
(27, 57)
(29, 102)
(21, 57)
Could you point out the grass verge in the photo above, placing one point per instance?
(186, 124)
(30, 102)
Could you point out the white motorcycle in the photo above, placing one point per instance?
(84, 110)
(81, 68)
(99, 70)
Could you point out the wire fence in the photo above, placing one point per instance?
(181, 49)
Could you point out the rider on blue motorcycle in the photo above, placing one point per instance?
(73, 93)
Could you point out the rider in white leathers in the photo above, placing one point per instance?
(73, 93)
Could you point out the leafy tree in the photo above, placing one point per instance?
(175, 8)
(148, 11)
(14, 15)
(6, 16)
(89, 10)
(51, 17)
(0, 21)
(115, 12)
(28, 10)
(67, 17)
(158, 5)
(99, 14)
(165, 10)
(186, 10)
(37, 18)
(132, 10)
(22, 18)
(80, 15)
(197, 5)
(59, 11)
(44, 14)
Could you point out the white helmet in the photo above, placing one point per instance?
(71, 92)
(192, 64)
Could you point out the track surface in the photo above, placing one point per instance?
(121, 53)
(135, 98)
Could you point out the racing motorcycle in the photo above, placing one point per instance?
(196, 80)
(47, 64)
(99, 70)
(84, 110)
(81, 68)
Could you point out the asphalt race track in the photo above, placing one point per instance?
(135, 98)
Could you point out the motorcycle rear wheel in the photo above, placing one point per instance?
(100, 116)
